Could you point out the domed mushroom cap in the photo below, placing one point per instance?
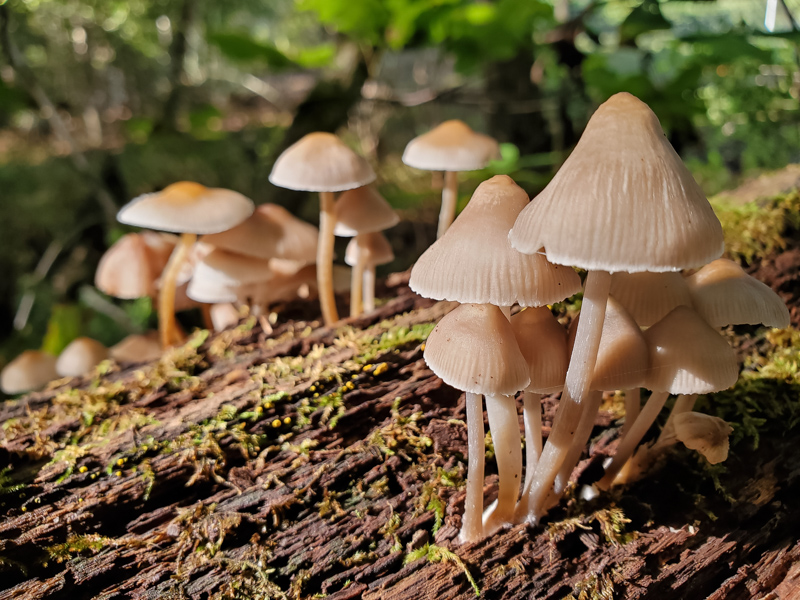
(474, 261)
(473, 349)
(137, 348)
(724, 294)
(29, 371)
(377, 249)
(649, 297)
(451, 146)
(704, 433)
(80, 356)
(187, 207)
(622, 201)
(271, 232)
(320, 162)
(543, 342)
(363, 210)
(131, 266)
(687, 356)
(218, 275)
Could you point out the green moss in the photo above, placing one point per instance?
(78, 545)
(435, 554)
(7, 484)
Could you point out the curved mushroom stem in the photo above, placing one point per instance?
(684, 403)
(369, 288)
(628, 444)
(167, 326)
(471, 525)
(327, 222)
(582, 434)
(633, 404)
(356, 281)
(532, 415)
(576, 388)
(504, 425)
(449, 201)
(647, 455)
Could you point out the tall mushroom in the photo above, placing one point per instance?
(321, 162)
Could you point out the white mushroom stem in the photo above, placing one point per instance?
(449, 201)
(532, 416)
(633, 404)
(576, 388)
(629, 441)
(504, 425)
(356, 282)
(369, 288)
(327, 222)
(582, 435)
(167, 326)
(684, 403)
(471, 524)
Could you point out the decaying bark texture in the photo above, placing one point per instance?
(310, 462)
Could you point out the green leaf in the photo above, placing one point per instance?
(63, 327)
(241, 47)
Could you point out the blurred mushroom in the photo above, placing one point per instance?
(365, 252)
(80, 356)
(136, 348)
(131, 267)
(29, 371)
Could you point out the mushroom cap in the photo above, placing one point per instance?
(80, 356)
(363, 210)
(648, 297)
(284, 287)
(29, 371)
(687, 356)
(270, 232)
(543, 342)
(451, 146)
(131, 266)
(704, 433)
(377, 248)
(622, 201)
(187, 207)
(137, 348)
(218, 275)
(473, 349)
(224, 315)
(474, 261)
(724, 294)
(320, 162)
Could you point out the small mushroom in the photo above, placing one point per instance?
(136, 348)
(80, 356)
(131, 267)
(704, 433)
(29, 371)
(365, 252)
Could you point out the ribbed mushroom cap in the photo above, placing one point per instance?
(473, 349)
(724, 294)
(363, 210)
(271, 232)
(543, 342)
(648, 297)
(137, 348)
(622, 201)
(130, 267)
(29, 371)
(80, 356)
(622, 359)
(704, 433)
(451, 146)
(687, 356)
(187, 207)
(474, 261)
(320, 162)
(377, 248)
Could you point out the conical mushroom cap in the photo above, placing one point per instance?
(474, 261)
(704, 433)
(687, 356)
(543, 342)
(131, 266)
(187, 207)
(29, 371)
(473, 349)
(320, 162)
(377, 248)
(451, 146)
(724, 294)
(363, 210)
(648, 297)
(137, 348)
(271, 232)
(622, 201)
(80, 356)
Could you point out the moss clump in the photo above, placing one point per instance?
(78, 545)
(435, 554)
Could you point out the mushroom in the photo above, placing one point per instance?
(649, 297)
(80, 356)
(131, 267)
(136, 348)
(450, 147)
(189, 209)
(224, 315)
(365, 252)
(29, 371)
(622, 201)
(704, 433)
(321, 162)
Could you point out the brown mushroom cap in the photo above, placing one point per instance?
(377, 248)
(543, 342)
(473, 349)
(80, 356)
(131, 266)
(622, 201)
(704, 433)
(137, 348)
(648, 297)
(451, 146)
(724, 294)
(187, 207)
(29, 371)
(320, 162)
(474, 261)
(363, 210)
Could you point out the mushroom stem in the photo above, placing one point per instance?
(582, 435)
(684, 403)
(532, 415)
(504, 425)
(633, 404)
(356, 282)
(449, 201)
(628, 444)
(208, 322)
(369, 288)
(576, 388)
(167, 326)
(327, 222)
(471, 525)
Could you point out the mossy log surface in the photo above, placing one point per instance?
(309, 462)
